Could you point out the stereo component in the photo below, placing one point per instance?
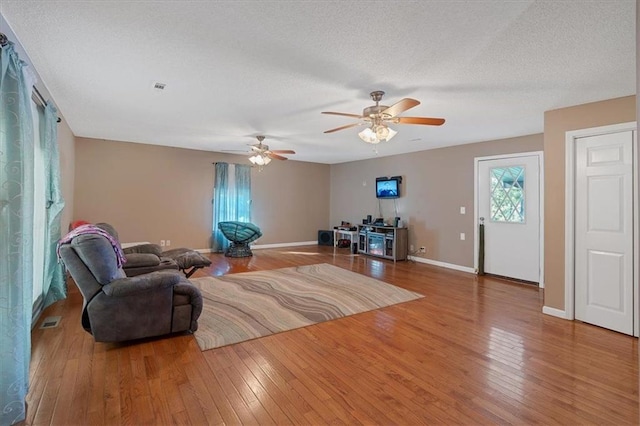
(325, 238)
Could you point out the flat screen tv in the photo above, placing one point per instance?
(387, 187)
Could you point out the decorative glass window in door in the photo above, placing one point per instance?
(507, 194)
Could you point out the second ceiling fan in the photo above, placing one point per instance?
(261, 155)
(377, 117)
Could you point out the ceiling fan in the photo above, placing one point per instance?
(377, 117)
(261, 155)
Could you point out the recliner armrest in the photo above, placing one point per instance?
(185, 288)
(133, 285)
(137, 260)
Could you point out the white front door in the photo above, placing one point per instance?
(508, 194)
(604, 231)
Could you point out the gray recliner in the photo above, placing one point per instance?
(145, 258)
(118, 308)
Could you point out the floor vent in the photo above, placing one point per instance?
(50, 322)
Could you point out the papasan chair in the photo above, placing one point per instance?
(240, 234)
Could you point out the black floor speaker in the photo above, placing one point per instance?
(325, 238)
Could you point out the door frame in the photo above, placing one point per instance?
(476, 216)
(569, 214)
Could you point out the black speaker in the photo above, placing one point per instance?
(325, 238)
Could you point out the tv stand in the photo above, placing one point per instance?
(387, 242)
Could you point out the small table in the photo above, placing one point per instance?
(352, 235)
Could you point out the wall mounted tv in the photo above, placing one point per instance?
(388, 187)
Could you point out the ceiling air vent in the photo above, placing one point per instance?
(159, 86)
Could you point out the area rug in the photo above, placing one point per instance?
(249, 305)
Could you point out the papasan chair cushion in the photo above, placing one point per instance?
(240, 234)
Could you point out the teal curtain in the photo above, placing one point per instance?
(16, 233)
(54, 285)
(243, 193)
(231, 200)
(221, 205)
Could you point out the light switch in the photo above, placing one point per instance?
(462, 236)
(463, 210)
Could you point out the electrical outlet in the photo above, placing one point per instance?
(411, 248)
(162, 243)
(423, 249)
(168, 243)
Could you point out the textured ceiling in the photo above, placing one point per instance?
(236, 69)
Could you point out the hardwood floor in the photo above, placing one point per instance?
(473, 351)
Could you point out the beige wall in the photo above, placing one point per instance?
(436, 183)
(151, 192)
(556, 124)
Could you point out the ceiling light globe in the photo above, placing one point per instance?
(368, 136)
(257, 159)
(392, 133)
(382, 132)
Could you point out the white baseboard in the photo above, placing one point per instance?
(279, 245)
(139, 243)
(442, 264)
(267, 246)
(554, 312)
(38, 307)
(312, 243)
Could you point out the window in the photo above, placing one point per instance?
(507, 194)
(39, 208)
(231, 199)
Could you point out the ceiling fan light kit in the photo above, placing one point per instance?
(377, 116)
(377, 134)
(260, 160)
(261, 155)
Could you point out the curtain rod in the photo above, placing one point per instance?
(3, 42)
(41, 99)
(225, 162)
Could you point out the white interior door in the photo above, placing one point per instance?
(604, 231)
(508, 196)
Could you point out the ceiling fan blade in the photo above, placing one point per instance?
(270, 154)
(344, 114)
(348, 126)
(282, 151)
(400, 106)
(419, 120)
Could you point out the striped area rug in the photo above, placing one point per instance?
(248, 305)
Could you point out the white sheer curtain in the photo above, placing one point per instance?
(39, 209)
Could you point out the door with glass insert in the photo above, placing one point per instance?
(509, 200)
